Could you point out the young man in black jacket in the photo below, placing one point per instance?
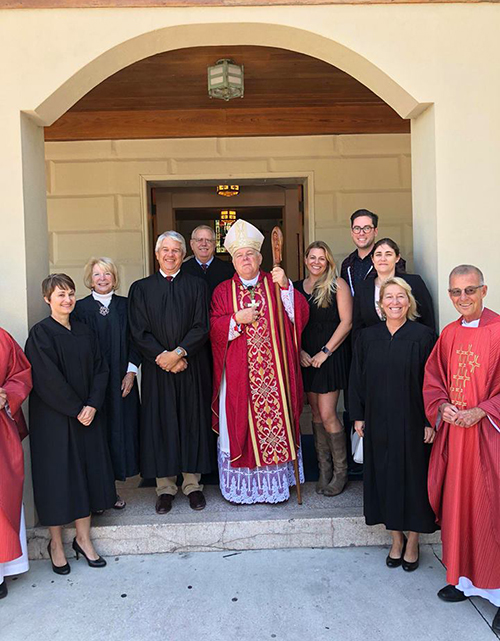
(358, 265)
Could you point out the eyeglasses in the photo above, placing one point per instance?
(203, 240)
(468, 291)
(366, 229)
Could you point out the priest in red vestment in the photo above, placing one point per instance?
(462, 398)
(259, 436)
(15, 385)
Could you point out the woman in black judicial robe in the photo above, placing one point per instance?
(385, 401)
(176, 434)
(106, 314)
(385, 257)
(72, 473)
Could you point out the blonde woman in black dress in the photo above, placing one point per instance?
(325, 362)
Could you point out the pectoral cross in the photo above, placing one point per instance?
(253, 302)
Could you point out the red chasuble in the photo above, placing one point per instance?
(15, 379)
(259, 426)
(464, 471)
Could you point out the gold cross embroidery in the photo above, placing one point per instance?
(461, 378)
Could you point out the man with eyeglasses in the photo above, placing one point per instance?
(462, 399)
(204, 264)
(358, 265)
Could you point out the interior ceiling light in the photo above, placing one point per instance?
(228, 216)
(228, 190)
(225, 80)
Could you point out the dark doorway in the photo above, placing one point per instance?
(183, 208)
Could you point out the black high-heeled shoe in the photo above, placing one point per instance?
(410, 566)
(63, 569)
(98, 563)
(391, 562)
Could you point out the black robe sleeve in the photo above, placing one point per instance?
(198, 333)
(426, 346)
(133, 354)
(357, 316)
(140, 329)
(357, 383)
(100, 378)
(48, 381)
(424, 301)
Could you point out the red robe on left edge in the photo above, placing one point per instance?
(15, 379)
(258, 423)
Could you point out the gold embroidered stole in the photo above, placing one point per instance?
(271, 431)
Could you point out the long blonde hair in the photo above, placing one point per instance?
(326, 285)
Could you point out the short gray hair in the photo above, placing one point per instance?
(203, 228)
(462, 270)
(174, 236)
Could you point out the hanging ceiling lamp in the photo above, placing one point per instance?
(228, 190)
(225, 80)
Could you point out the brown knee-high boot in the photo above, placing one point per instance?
(338, 450)
(324, 457)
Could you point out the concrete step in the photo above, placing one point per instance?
(320, 522)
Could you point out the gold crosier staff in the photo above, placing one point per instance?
(277, 245)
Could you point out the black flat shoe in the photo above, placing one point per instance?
(410, 566)
(495, 625)
(451, 594)
(391, 562)
(98, 563)
(3, 589)
(63, 569)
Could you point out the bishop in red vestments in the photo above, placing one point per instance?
(258, 436)
(462, 397)
(15, 385)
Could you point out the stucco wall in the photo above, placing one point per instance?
(435, 64)
(94, 189)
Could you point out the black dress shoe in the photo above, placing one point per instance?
(495, 625)
(391, 562)
(3, 589)
(58, 569)
(164, 503)
(410, 566)
(451, 594)
(98, 563)
(197, 500)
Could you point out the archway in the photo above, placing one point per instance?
(180, 37)
(60, 98)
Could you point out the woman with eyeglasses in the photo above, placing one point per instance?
(366, 312)
(386, 404)
(71, 466)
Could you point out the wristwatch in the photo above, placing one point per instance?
(326, 351)
(180, 351)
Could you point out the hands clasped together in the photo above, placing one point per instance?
(463, 418)
(312, 361)
(87, 415)
(171, 362)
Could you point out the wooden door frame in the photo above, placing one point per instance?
(305, 178)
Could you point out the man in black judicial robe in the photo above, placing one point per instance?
(204, 264)
(168, 315)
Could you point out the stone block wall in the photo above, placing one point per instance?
(94, 189)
